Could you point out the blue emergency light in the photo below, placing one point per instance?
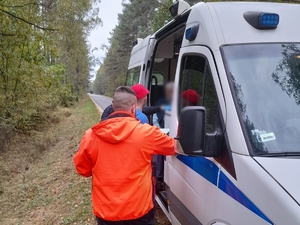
(191, 33)
(269, 19)
(262, 20)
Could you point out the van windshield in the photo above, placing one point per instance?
(265, 81)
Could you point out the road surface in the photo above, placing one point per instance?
(101, 100)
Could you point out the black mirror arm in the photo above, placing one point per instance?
(212, 136)
(213, 142)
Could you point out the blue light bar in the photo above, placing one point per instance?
(262, 20)
(268, 20)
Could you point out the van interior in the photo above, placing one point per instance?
(163, 70)
(165, 63)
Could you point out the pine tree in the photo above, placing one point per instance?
(134, 22)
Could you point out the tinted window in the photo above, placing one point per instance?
(192, 77)
(159, 78)
(210, 102)
(133, 76)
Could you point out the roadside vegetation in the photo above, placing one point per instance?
(38, 182)
(44, 60)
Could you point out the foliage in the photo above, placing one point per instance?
(44, 57)
(163, 15)
(290, 66)
(99, 86)
(132, 24)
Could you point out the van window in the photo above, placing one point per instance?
(214, 121)
(133, 76)
(196, 78)
(159, 78)
(157, 87)
(192, 77)
(210, 102)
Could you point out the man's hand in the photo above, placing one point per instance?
(166, 108)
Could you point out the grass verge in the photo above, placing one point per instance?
(38, 182)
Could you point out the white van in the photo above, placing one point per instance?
(239, 144)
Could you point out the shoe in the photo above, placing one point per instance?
(163, 194)
(159, 186)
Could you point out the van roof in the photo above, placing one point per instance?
(223, 23)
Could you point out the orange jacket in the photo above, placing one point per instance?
(117, 153)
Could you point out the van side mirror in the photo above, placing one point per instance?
(192, 134)
(191, 131)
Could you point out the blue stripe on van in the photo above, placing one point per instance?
(209, 171)
(229, 188)
(202, 166)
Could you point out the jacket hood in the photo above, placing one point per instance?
(116, 129)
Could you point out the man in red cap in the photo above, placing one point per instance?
(189, 98)
(147, 110)
(141, 95)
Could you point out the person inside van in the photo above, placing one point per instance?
(189, 98)
(158, 118)
(158, 121)
(141, 95)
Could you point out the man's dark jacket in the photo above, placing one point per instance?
(148, 110)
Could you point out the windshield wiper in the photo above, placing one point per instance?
(279, 154)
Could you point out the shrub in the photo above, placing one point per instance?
(6, 133)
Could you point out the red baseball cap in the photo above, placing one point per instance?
(140, 91)
(191, 96)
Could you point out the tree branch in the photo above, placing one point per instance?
(19, 6)
(164, 5)
(27, 4)
(7, 35)
(26, 21)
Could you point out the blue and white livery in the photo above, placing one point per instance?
(238, 160)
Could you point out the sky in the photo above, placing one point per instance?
(109, 10)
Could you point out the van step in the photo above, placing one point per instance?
(163, 206)
(163, 194)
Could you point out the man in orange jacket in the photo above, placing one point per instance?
(117, 153)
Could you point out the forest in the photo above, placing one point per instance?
(45, 59)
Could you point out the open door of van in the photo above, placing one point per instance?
(139, 61)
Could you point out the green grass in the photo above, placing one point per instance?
(50, 191)
(38, 181)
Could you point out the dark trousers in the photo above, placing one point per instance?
(147, 219)
(160, 161)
